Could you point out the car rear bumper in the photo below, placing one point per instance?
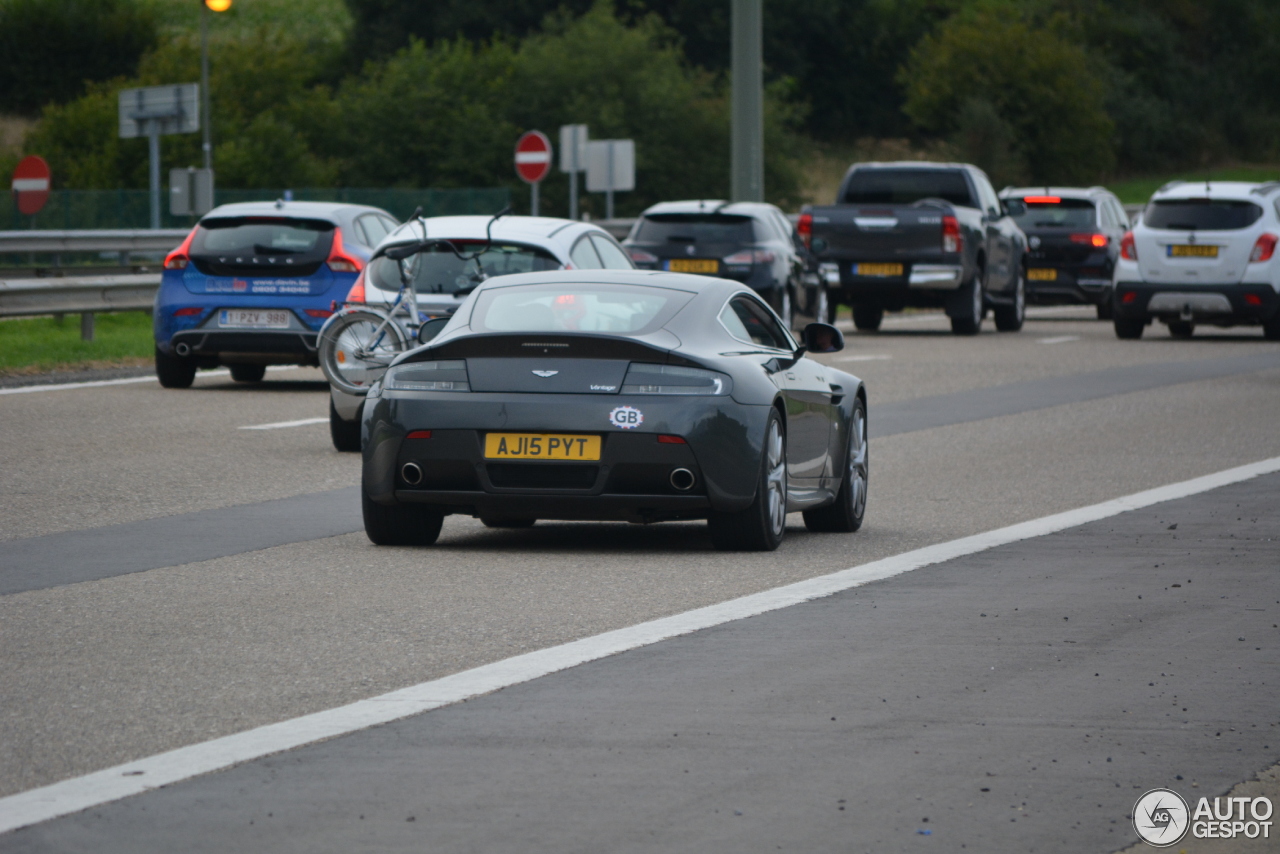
(1069, 286)
(285, 345)
(1224, 304)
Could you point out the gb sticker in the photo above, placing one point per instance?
(626, 417)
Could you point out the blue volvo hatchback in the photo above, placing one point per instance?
(253, 283)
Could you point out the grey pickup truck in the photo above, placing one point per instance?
(922, 235)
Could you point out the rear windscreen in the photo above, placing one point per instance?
(1067, 213)
(247, 237)
(697, 228)
(906, 186)
(576, 308)
(1201, 214)
(440, 271)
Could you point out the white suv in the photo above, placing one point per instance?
(1202, 252)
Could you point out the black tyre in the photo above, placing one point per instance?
(248, 373)
(400, 524)
(968, 317)
(1129, 328)
(1181, 329)
(845, 514)
(1271, 329)
(867, 318)
(345, 434)
(503, 522)
(1009, 318)
(760, 527)
(174, 371)
(833, 309)
(1105, 311)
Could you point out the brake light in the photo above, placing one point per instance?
(189, 311)
(1096, 240)
(751, 256)
(1263, 249)
(671, 440)
(339, 260)
(180, 257)
(805, 228)
(951, 239)
(639, 256)
(1042, 200)
(1128, 250)
(356, 294)
(419, 434)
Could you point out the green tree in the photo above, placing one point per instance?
(1042, 85)
(52, 48)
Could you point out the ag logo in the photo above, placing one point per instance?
(1161, 818)
(626, 417)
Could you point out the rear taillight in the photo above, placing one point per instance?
(639, 256)
(179, 258)
(804, 227)
(339, 260)
(1252, 299)
(951, 239)
(1263, 249)
(318, 312)
(1096, 240)
(1128, 251)
(751, 256)
(189, 311)
(356, 294)
(419, 434)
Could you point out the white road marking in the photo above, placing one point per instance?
(29, 389)
(132, 778)
(866, 358)
(1060, 339)
(280, 424)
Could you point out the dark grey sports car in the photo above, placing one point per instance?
(616, 395)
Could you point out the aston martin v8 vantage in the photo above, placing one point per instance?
(616, 395)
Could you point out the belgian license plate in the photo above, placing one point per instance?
(693, 265)
(253, 319)
(1041, 274)
(877, 269)
(541, 446)
(1192, 251)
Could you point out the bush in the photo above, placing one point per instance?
(51, 48)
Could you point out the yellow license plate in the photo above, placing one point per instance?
(693, 265)
(1185, 251)
(541, 446)
(1042, 275)
(877, 269)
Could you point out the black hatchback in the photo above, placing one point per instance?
(1073, 239)
(749, 242)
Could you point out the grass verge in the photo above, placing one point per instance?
(38, 344)
(1136, 191)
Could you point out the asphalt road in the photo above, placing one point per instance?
(173, 635)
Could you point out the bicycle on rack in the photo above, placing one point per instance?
(358, 343)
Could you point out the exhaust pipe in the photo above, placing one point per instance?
(412, 473)
(682, 479)
(182, 349)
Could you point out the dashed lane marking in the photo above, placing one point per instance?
(1058, 339)
(278, 425)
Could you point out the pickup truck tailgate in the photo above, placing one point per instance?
(903, 234)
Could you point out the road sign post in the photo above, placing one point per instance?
(533, 162)
(611, 167)
(154, 111)
(573, 159)
(190, 191)
(31, 182)
(746, 152)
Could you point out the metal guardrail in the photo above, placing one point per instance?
(115, 240)
(84, 295)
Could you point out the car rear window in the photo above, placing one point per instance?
(906, 186)
(1201, 214)
(246, 245)
(439, 271)
(576, 308)
(698, 228)
(1064, 213)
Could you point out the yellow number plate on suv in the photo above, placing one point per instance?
(541, 446)
(693, 265)
(1042, 274)
(1198, 251)
(877, 269)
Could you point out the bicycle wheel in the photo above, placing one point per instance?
(354, 352)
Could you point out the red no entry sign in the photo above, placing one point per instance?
(31, 184)
(533, 156)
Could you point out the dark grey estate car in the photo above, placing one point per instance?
(749, 242)
(623, 395)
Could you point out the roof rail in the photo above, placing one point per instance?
(1267, 187)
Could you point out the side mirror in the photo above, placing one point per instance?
(822, 338)
(431, 329)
